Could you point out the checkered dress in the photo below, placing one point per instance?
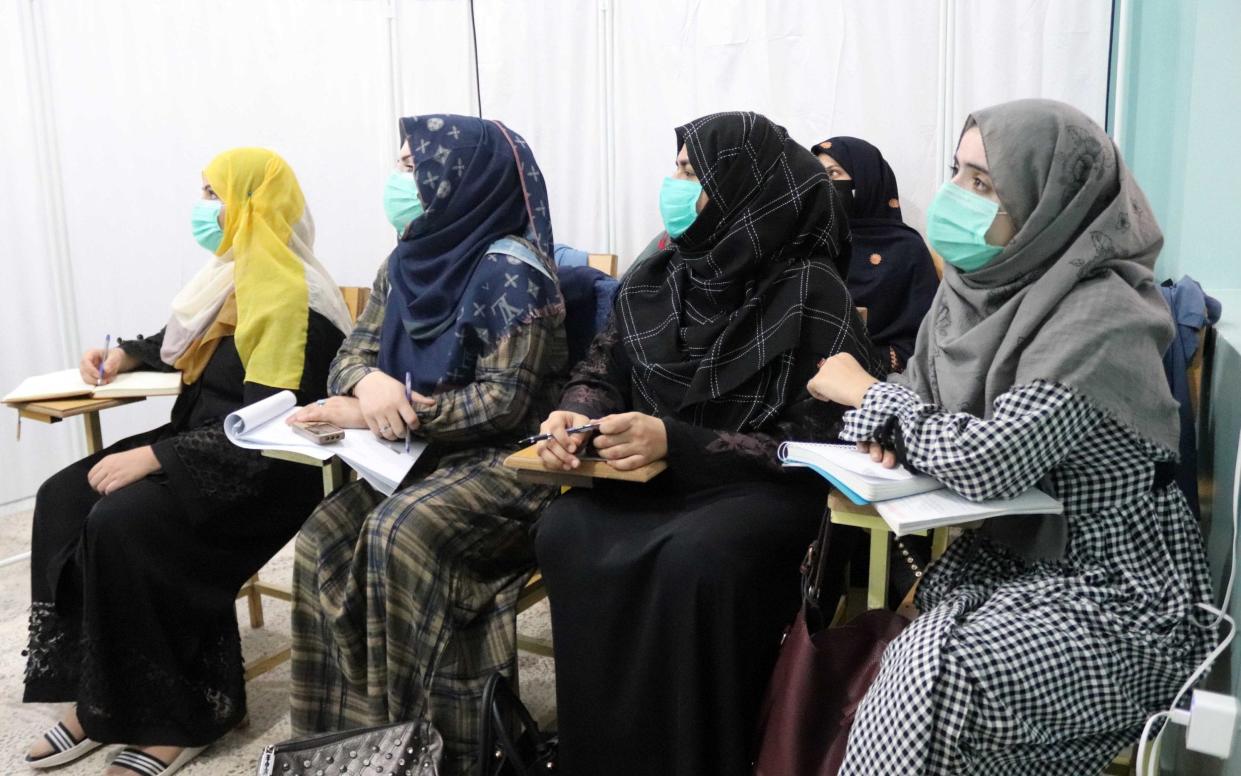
(1020, 666)
(404, 605)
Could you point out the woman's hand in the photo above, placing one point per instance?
(385, 409)
(340, 411)
(878, 454)
(558, 452)
(841, 379)
(117, 361)
(631, 440)
(120, 469)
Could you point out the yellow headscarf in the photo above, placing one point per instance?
(263, 283)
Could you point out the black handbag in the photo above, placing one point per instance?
(401, 749)
(511, 743)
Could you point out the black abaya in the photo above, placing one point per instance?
(132, 594)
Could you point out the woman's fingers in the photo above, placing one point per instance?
(619, 451)
(307, 414)
(408, 416)
(628, 463)
(889, 459)
(88, 367)
(95, 476)
(616, 424)
(393, 425)
(420, 399)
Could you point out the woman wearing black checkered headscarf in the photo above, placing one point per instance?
(1046, 642)
(669, 598)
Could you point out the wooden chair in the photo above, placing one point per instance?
(333, 477)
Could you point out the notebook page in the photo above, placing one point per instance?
(143, 383)
(54, 385)
(944, 507)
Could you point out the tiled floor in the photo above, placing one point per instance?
(238, 752)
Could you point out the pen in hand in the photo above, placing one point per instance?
(530, 440)
(107, 343)
(409, 397)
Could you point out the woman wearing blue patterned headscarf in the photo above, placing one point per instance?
(404, 602)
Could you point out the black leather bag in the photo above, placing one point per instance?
(511, 743)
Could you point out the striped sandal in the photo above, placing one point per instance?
(65, 748)
(144, 764)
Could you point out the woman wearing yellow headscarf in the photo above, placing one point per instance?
(138, 551)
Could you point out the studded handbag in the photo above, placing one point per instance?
(402, 749)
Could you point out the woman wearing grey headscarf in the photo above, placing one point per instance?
(1045, 643)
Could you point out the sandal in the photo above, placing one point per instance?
(144, 764)
(65, 748)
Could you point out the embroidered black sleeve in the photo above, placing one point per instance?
(146, 350)
(222, 472)
(599, 385)
(729, 454)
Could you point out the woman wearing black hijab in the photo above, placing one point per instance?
(669, 598)
(891, 273)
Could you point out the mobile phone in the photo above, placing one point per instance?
(319, 432)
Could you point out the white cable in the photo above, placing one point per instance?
(1221, 615)
(1141, 753)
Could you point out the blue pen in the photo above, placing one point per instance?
(409, 397)
(107, 343)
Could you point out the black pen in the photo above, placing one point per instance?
(530, 440)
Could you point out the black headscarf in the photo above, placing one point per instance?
(891, 273)
(713, 322)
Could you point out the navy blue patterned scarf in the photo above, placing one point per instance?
(478, 182)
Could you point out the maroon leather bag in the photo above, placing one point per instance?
(820, 678)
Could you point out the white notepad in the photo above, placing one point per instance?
(261, 426)
(67, 384)
(945, 507)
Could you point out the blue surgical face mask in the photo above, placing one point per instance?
(401, 201)
(678, 200)
(205, 221)
(956, 225)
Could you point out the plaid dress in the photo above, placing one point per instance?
(1020, 666)
(404, 605)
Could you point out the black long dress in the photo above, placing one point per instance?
(132, 594)
(669, 598)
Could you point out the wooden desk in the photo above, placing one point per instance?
(845, 512)
(57, 410)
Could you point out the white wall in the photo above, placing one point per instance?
(113, 108)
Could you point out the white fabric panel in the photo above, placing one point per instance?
(549, 90)
(1057, 49)
(147, 93)
(817, 68)
(434, 60)
(35, 336)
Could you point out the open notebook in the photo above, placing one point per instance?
(261, 426)
(907, 502)
(67, 384)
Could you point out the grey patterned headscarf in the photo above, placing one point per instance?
(1072, 298)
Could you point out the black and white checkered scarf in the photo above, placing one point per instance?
(713, 322)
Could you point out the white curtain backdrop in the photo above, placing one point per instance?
(112, 109)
